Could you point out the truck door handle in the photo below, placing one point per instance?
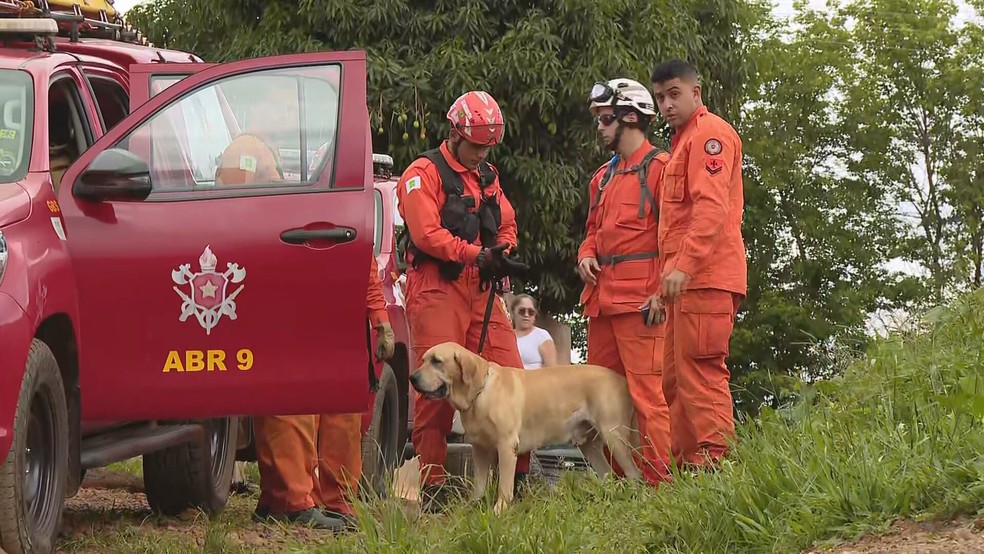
(300, 236)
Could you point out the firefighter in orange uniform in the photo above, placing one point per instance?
(290, 448)
(340, 435)
(619, 262)
(704, 276)
(456, 215)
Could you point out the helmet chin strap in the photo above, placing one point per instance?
(453, 145)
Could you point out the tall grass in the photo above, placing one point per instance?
(899, 435)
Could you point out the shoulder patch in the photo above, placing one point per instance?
(413, 183)
(247, 163)
(713, 165)
(712, 147)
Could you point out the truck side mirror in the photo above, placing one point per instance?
(115, 174)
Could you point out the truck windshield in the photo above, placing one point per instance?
(16, 122)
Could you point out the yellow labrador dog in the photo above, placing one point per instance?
(506, 411)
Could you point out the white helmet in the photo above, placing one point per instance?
(622, 92)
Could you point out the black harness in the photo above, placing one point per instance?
(642, 168)
(458, 215)
(645, 195)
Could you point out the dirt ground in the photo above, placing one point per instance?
(110, 514)
(112, 503)
(962, 536)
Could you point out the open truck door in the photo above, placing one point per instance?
(210, 283)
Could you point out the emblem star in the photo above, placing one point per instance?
(208, 290)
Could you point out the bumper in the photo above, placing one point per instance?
(15, 342)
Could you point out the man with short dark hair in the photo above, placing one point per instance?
(704, 275)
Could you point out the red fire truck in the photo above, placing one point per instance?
(146, 308)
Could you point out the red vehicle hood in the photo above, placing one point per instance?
(15, 204)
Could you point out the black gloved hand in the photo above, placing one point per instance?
(511, 266)
(489, 256)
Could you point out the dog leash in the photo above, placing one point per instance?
(494, 287)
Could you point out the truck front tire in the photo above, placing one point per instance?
(197, 474)
(34, 477)
(381, 446)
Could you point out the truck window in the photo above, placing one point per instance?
(69, 132)
(160, 83)
(202, 121)
(16, 124)
(206, 134)
(274, 127)
(110, 98)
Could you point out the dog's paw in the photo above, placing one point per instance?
(500, 506)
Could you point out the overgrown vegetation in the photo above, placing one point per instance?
(898, 436)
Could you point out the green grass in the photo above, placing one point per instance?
(899, 436)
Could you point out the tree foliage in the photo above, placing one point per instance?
(863, 156)
(905, 108)
(538, 59)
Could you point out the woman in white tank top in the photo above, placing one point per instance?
(536, 347)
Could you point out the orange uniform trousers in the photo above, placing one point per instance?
(314, 460)
(308, 460)
(625, 345)
(696, 378)
(441, 311)
(700, 235)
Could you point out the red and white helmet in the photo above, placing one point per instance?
(622, 92)
(476, 115)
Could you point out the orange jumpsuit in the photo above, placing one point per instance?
(700, 234)
(617, 337)
(289, 448)
(439, 310)
(340, 435)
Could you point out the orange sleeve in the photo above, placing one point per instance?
(713, 150)
(417, 191)
(376, 304)
(588, 247)
(246, 161)
(508, 230)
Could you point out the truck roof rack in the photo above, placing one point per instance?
(74, 19)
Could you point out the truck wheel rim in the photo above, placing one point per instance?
(40, 470)
(217, 445)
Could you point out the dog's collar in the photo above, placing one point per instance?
(482, 388)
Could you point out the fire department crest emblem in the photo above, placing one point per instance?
(208, 297)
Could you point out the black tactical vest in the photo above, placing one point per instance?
(459, 215)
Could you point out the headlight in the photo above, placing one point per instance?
(3, 255)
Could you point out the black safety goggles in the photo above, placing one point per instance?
(602, 93)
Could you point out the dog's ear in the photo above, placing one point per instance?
(465, 368)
